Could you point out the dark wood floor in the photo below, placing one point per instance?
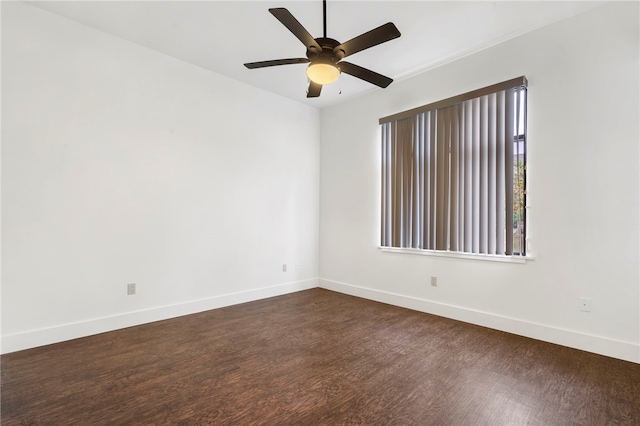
(315, 357)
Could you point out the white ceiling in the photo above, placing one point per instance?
(222, 35)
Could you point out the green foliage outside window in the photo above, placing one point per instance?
(518, 192)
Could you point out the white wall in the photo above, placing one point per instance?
(123, 165)
(583, 191)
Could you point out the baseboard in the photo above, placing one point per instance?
(597, 344)
(45, 336)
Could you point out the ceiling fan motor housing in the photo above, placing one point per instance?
(328, 54)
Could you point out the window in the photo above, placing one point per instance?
(454, 173)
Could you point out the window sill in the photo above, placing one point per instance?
(458, 255)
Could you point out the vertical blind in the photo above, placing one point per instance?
(448, 172)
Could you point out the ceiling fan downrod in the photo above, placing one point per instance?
(324, 17)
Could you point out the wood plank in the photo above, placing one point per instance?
(315, 357)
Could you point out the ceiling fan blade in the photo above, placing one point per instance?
(369, 39)
(262, 64)
(314, 90)
(287, 19)
(364, 74)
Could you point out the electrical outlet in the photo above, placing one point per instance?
(584, 304)
(284, 267)
(434, 281)
(131, 289)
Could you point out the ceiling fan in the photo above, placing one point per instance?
(324, 55)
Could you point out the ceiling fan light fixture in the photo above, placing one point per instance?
(323, 73)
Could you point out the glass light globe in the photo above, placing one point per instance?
(322, 73)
